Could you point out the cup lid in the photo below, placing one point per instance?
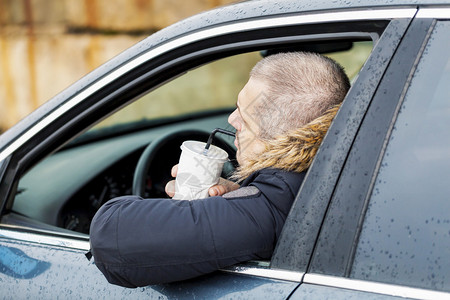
(197, 148)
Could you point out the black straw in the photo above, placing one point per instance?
(211, 136)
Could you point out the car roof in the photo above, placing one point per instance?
(221, 15)
(260, 8)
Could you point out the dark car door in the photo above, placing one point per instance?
(40, 260)
(386, 233)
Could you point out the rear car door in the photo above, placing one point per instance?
(386, 233)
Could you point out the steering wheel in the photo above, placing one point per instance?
(163, 153)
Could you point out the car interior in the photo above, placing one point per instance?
(62, 192)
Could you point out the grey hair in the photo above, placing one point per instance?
(301, 86)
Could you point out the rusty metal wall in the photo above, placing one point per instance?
(45, 45)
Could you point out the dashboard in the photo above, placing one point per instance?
(116, 181)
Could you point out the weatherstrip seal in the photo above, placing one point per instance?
(434, 13)
(373, 287)
(265, 272)
(43, 237)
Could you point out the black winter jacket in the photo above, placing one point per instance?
(138, 242)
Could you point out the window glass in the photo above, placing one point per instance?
(406, 233)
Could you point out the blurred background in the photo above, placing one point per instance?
(45, 45)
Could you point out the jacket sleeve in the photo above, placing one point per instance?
(138, 242)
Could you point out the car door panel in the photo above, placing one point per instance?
(38, 270)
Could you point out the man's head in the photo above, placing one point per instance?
(285, 92)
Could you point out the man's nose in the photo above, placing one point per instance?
(233, 119)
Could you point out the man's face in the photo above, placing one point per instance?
(244, 119)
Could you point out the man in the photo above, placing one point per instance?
(282, 115)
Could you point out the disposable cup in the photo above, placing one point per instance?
(197, 172)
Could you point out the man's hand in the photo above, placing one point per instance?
(224, 186)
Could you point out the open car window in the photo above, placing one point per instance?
(66, 189)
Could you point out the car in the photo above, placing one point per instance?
(371, 220)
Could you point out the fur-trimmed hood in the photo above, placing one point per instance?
(293, 151)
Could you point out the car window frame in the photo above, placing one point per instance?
(323, 269)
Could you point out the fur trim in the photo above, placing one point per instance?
(294, 151)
